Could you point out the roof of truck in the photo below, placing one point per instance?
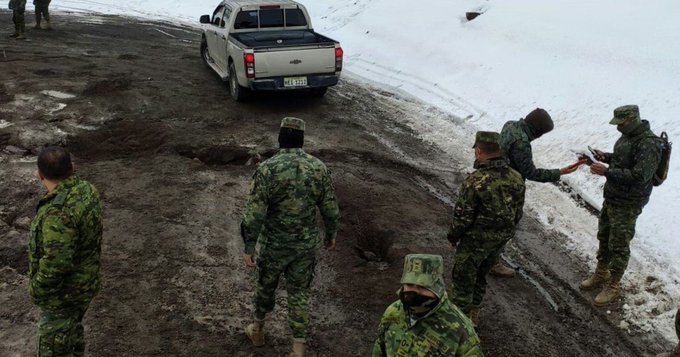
(259, 2)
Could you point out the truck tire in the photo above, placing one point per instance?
(237, 92)
(319, 92)
(205, 54)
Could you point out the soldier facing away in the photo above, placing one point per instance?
(516, 138)
(488, 208)
(64, 254)
(676, 350)
(630, 174)
(281, 214)
(18, 8)
(42, 10)
(424, 322)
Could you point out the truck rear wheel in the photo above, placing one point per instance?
(237, 92)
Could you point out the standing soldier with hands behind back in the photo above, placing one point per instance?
(630, 175)
(281, 213)
(18, 8)
(64, 254)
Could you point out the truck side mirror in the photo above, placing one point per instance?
(205, 19)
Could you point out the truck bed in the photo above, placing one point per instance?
(285, 38)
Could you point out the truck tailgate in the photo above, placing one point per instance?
(294, 61)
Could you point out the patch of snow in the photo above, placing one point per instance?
(57, 94)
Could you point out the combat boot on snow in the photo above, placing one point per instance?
(500, 270)
(255, 333)
(298, 349)
(21, 36)
(15, 34)
(611, 291)
(48, 25)
(599, 277)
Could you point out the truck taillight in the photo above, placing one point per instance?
(249, 60)
(338, 58)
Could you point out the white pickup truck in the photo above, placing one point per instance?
(268, 45)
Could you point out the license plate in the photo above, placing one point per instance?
(295, 82)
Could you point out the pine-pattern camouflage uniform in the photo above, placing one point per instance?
(487, 210)
(64, 264)
(281, 215)
(629, 185)
(442, 331)
(446, 331)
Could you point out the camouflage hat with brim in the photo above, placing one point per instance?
(621, 114)
(425, 270)
(490, 137)
(293, 123)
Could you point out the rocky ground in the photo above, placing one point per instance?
(172, 155)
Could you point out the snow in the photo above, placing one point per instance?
(579, 59)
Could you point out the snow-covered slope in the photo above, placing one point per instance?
(579, 59)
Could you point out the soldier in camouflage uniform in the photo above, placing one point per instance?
(488, 208)
(42, 9)
(629, 184)
(281, 214)
(18, 8)
(64, 254)
(424, 322)
(516, 138)
(676, 350)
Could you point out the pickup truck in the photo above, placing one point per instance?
(268, 45)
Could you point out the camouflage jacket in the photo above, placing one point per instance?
(445, 331)
(281, 207)
(490, 200)
(632, 166)
(65, 246)
(516, 138)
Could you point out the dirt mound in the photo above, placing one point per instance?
(108, 86)
(220, 155)
(121, 139)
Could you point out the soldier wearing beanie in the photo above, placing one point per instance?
(281, 215)
(487, 210)
(424, 322)
(516, 138)
(630, 175)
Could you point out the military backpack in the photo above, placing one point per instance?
(662, 170)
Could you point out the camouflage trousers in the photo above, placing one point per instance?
(616, 230)
(61, 333)
(298, 269)
(474, 258)
(18, 16)
(42, 9)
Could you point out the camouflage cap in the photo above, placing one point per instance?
(293, 123)
(621, 114)
(426, 270)
(487, 137)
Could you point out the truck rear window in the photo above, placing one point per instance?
(269, 18)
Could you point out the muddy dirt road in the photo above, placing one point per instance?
(172, 155)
